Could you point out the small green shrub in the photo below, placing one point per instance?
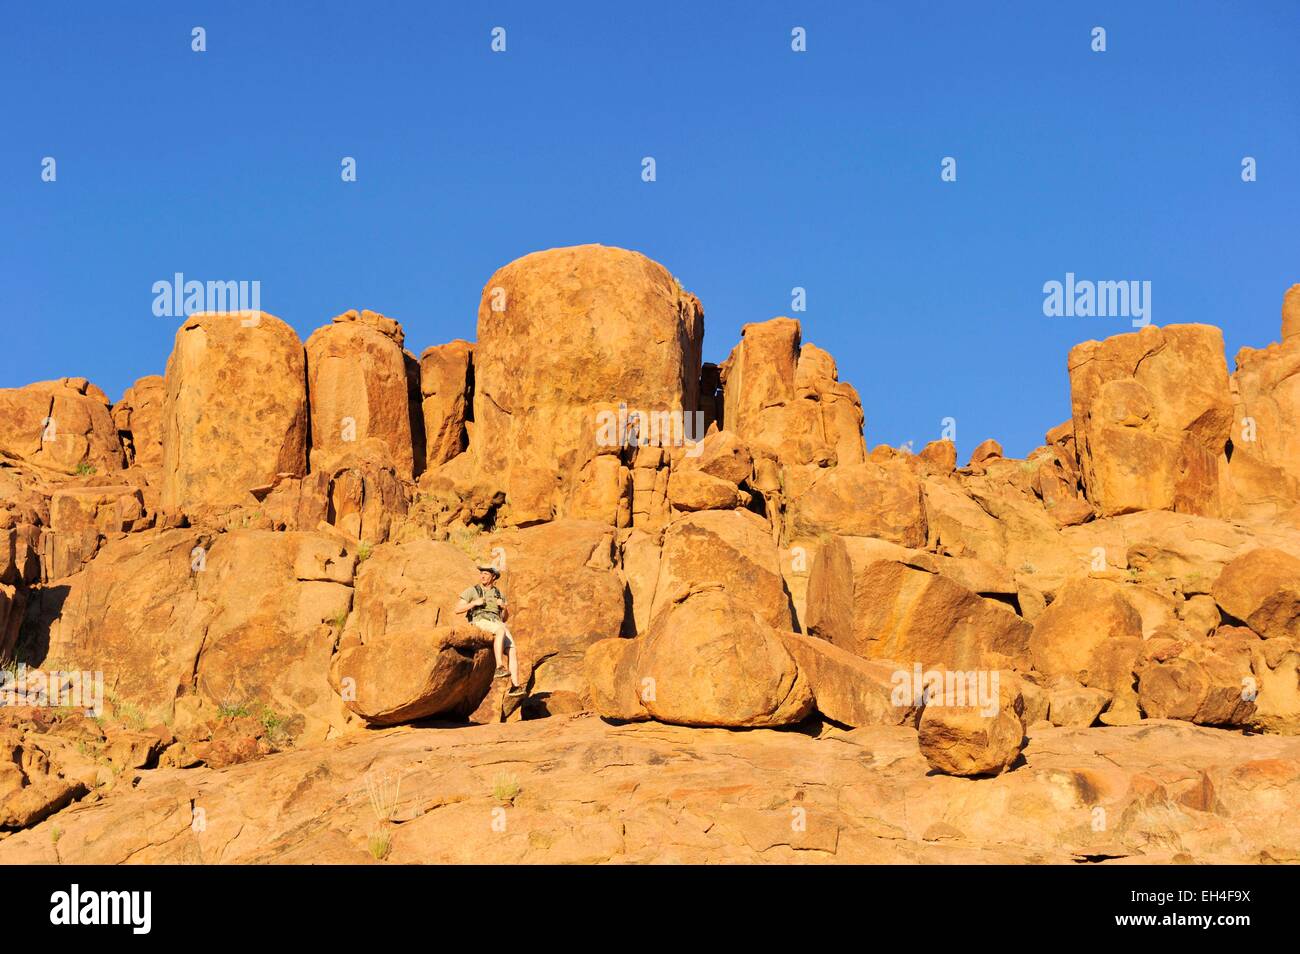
(505, 787)
(380, 843)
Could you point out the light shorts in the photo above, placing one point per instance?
(497, 627)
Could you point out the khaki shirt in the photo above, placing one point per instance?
(491, 609)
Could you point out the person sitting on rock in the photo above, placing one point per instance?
(486, 608)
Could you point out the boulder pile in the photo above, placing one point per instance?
(284, 527)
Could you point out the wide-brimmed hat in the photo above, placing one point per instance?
(489, 568)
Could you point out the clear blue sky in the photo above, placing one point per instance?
(775, 169)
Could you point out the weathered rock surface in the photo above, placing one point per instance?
(864, 500)
(62, 426)
(138, 416)
(563, 335)
(1152, 416)
(243, 596)
(183, 623)
(1262, 589)
(1167, 789)
(446, 381)
(235, 413)
(885, 609)
(706, 660)
(971, 740)
(358, 391)
(402, 675)
(731, 548)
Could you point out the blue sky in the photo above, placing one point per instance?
(775, 169)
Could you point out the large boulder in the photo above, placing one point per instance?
(786, 400)
(63, 426)
(848, 689)
(402, 674)
(1210, 682)
(358, 389)
(694, 490)
(1152, 415)
(888, 609)
(1086, 615)
(870, 499)
(713, 662)
(733, 548)
(613, 681)
(721, 454)
(184, 623)
(235, 413)
(1262, 589)
(566, 337)
(138, 417)
(410, 587)
(975, 740)
(446, 376)
(1265, 464)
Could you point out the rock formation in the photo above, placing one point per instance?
(261, 551)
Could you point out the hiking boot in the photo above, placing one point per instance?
(502, 672)
(516, 691)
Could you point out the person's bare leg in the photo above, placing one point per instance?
(514, 660)
(497, 639)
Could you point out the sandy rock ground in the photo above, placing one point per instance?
(575, 789)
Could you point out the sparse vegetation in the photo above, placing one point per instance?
(230, 710)
(380, 843)
(364, 552)
(505, 787)
(85, 469)
(274, 724)
(339, 620)
(384, 792)
(128, 712)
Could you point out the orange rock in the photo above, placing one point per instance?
(721, 454)
(786, 401)
(972, 740)
(565, 594)
(1291, 314)
(885, 609)
(848, 689)
(235, 413)
(941, 455)
(869, 500)
(561, 335)
(1265, 463)
(732, 548)
(1085, 615)
(987, 450)
(613, 684)
(695, 490)
(402, 674)
(357, 385)
(1152, 413)
(1262, 589)
(139, 415)
(712, 662)
(445, 376)
(62, 426)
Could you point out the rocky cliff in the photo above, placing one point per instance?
(260, 551)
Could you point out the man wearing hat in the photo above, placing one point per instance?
(486, 608)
